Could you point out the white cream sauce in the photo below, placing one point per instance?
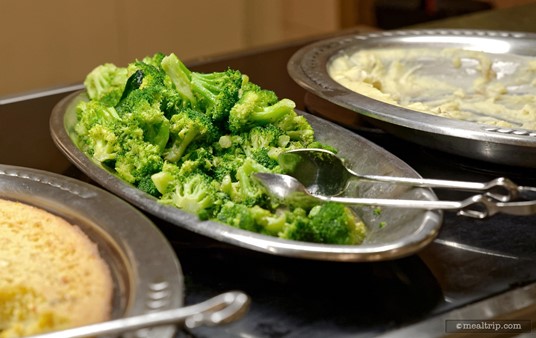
(493, 89)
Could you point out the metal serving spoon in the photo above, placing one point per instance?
(291, 192)
(324, 173)
(221, 309)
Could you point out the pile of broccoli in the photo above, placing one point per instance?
(193, 140)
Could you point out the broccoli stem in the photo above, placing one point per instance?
(179, 75)
(177, 150)
(273, 113)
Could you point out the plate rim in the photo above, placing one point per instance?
(307, 68)
(129, 230)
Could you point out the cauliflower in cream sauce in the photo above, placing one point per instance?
(492, 89)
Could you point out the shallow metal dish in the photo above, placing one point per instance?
(145, 271)
(308, 67)
(405, 232)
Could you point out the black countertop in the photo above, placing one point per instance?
(485, 269)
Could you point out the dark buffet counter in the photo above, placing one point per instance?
(475, 269)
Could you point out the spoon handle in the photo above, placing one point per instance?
(477, 206)
(500, 189)
(221, 309)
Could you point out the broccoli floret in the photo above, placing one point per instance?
(147, 185)
(336, 224)
(331, 223)
(137, 163)
(248, 190)
(199, 159)
(211, 93)
(262, 156)
(103, 144)
(181, 78)
(227, 165)
(196, 194)
(155, 126)
(216, 92)
(257, 108)
(230, 144)
(272, 223)
(187, 127)
(106, 83)
(91, 113)
(263, 143)
(137, 158)
(95, 130)
(298, 227)
(155, 60)
(150, 83)
(297, 128)
(238, 215)
(266, 137)
(166, 179)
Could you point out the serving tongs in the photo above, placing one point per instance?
(318, 175)
(221, 309)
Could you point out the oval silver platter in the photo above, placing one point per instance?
(509, 146)
(146, 273)
(405, 232)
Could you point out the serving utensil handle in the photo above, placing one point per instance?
(477, 206)
(501, 189)
(220, 309)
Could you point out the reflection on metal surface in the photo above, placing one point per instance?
(49, 92)
(473, 248)
(518, 304)
(479, 44)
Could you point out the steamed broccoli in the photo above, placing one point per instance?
(187, 127)
(181, 77)
(264, 144)
(106, 83)
(147, 185)
(330, 222)
(239, 216)
(271, 222)
(102, 143)
(194, 140)
(196, 194)
(336, 223)
(216, 92)
(142, 114)
(258, 107)
(212, 93)
(247, 190)
(137, 159)
(118, 143)
(149, 82)
(91, 113)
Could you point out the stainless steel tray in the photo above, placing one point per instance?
(509, 146)
(146, 273)
(406, 231)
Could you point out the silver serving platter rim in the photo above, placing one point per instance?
(505, 146)
(146, 272)
(418, 227)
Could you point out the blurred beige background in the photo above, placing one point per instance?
(57, 42)
(52, 43)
